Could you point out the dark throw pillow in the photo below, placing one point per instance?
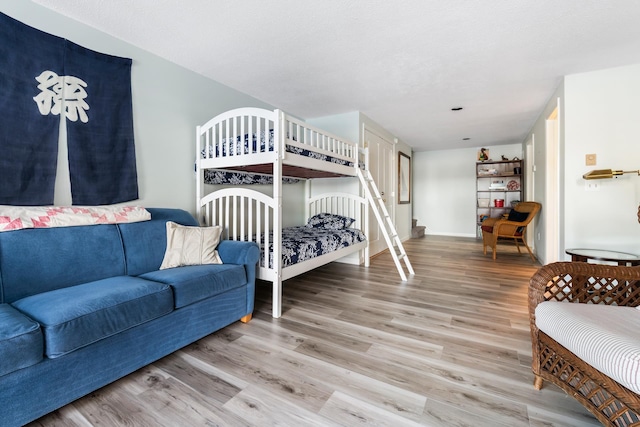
(516, 216)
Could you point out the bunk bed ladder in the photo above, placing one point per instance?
(386, 224)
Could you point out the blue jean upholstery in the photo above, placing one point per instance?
(38, 260)
(195, 282)
(20, 340)
(83, 314)
(83, 306)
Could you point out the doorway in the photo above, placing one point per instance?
(381, 168)
(530, 193)
(552, 199)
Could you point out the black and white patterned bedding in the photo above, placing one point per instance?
(220, 176)
(304, 243)
(213, 176)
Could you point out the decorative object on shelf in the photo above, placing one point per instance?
(488, 171)
(497, 184)
(484, 203)
(513, 185)
(404, 178)
(498, 203)
(483, 155)
(517, 170)
(504, 158)
(606, 173)
(515, 202)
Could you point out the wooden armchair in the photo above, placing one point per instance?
(514, 227)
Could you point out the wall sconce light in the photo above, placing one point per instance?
(606, 173)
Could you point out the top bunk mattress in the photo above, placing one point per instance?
(260, 143)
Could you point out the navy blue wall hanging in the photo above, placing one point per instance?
(102, 160)
(28, 139)
(45, 79)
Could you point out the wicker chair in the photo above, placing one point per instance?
(580, 282)
(513, 228)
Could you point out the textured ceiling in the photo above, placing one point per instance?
(403, 63)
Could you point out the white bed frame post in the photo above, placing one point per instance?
(278, 136)
(307, 197)
(199, 175)
(365, 153)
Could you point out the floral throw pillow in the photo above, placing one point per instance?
(329, 221)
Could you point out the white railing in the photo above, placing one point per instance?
(247, 136)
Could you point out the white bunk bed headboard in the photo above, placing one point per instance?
(245, 213)
(345, 204)
(223, 136)
(242, 212)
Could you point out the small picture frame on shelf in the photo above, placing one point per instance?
(483, 155)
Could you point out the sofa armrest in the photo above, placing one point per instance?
(247, 254)
(580, 282)
(237, 252)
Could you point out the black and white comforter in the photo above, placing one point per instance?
(220, 176)
(304, 243)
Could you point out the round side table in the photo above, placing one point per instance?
(622, 258)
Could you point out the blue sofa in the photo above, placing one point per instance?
(81, 307)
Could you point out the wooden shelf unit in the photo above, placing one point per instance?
(497, 180)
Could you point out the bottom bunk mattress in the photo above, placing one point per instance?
(304, 243)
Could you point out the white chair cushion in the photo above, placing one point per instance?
(606, 337)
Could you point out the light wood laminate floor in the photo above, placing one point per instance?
(356, 346)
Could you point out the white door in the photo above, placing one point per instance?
(381, 168)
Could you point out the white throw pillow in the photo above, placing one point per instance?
(191, 245)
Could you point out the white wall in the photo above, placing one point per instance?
(343, 125)
(168, 103)
(602, 117)
(538, 135)
(444, 184)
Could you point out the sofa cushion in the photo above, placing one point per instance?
(197, 282)
(604, 336)
(145, 242)
(39, 260)
(80, 315)
(20, 340)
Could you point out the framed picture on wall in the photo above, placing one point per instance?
(404, 178)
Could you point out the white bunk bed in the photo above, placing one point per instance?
(271, 142)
